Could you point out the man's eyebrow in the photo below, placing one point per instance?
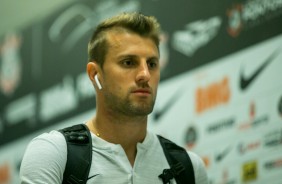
(154, 57)
(127, 56)
(130, 56)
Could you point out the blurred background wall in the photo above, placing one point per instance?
(220, 93)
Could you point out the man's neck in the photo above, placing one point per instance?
(126, 131)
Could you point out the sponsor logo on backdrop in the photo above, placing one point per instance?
(164, 51)
(273, 164)
(10, 63)
(222, 154)
(280, 107)
(206, 160)
(273, 138)
(191, 137)
(21, 109)
(85, 19)
(159, 113)
(250, 14)
(234, 20)
(5, 173)
(221, 126)
(253, 120)
(249, 171)
(226, 178)
(196, 35)
(213, 95)
(247, 147)
(223, 178)
(70, 92)
(245, 82)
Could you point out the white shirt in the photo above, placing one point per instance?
(45, 159)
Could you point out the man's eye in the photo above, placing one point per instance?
(152, 64)
(128, 63)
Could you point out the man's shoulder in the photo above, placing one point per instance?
(53, 135)
(44, 158)
(48, 141)
(195, 158)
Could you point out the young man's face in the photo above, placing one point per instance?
(131, 74)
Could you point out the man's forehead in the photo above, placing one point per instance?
(120, 39)
(116, 36)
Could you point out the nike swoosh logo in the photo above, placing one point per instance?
(159, 113)
(246, 82)
(280, 106)
(93, 176)
(222, 155)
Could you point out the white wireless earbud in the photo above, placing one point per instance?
(97, 82)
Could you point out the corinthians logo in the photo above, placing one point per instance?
(10, 64)
(251, 14)
(191, 137)
(235, 22)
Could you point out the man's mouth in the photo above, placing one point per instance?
(142, 91)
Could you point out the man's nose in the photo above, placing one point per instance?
(143, 73)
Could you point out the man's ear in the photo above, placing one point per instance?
(92, 69)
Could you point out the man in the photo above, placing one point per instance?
(124, 69)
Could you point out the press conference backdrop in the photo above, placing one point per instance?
(220, 93)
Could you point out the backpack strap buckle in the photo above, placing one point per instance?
(171, 173)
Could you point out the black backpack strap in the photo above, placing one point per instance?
(181, 167)
(79, 157)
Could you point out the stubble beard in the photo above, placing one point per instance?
(129, 107)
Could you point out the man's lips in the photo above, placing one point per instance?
(142, 91)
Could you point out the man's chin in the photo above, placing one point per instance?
(142, 111)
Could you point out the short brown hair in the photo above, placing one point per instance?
(146, 26)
